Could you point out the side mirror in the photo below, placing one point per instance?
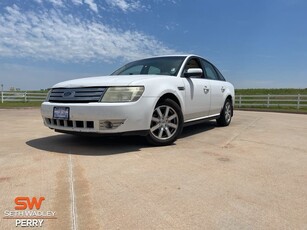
(193, 72)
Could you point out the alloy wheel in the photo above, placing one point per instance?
(164, 122)
(227, 112)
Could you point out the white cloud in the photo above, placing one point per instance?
(52, 35)
(77, 2)
(166, 1)
(92, 5)
(171, 26)
(125, 5)
(61, 3)
(56, 2)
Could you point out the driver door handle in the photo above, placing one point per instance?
(206, 90)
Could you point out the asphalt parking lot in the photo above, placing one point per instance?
(250, 175)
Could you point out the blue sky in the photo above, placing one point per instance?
(255, 44)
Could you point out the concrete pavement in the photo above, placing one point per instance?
(250, 175)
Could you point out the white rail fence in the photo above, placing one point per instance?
(241, 101)
(271, 101)
(19, 96)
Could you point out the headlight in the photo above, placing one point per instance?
(123, 94)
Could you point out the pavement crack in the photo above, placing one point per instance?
(226, 145)
(72, 194)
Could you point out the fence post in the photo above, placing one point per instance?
(268, 101)
(298, 101)
(2, 97)
(240, 101)
(25, 95)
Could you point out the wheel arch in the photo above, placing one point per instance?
(229, 97)
(170, 96)
(162, 122)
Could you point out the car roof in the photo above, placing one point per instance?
(172, 55)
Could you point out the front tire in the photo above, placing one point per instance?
(166, 123)
(226, 114)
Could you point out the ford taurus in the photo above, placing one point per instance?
(154, 97)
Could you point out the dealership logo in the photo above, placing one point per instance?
(27, 212)
(23, 203)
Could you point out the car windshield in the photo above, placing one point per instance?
(156, 66)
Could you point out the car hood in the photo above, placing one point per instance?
(114, 80)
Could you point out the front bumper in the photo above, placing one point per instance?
(104, 118)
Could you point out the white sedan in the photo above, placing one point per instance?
(154, 97)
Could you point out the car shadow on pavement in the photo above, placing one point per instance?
(104, 145)
(88, 145)
(195, 129)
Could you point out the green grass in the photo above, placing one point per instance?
(20, 104)
(273, 109)
(271, 91)
(273, 104)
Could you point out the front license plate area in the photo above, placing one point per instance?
(61, 113)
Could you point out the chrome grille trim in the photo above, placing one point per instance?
(77, 95)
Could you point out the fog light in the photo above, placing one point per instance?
(110, 124)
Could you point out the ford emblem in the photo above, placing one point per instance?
(68, 94)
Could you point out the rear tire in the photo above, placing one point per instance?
(226, 114)
(166, 123)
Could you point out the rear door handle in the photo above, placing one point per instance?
(206, 90)
(223, 89)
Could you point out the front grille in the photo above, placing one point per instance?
(77, 95)
(70, 124)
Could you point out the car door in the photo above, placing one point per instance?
(218, 87)
(197, 92)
